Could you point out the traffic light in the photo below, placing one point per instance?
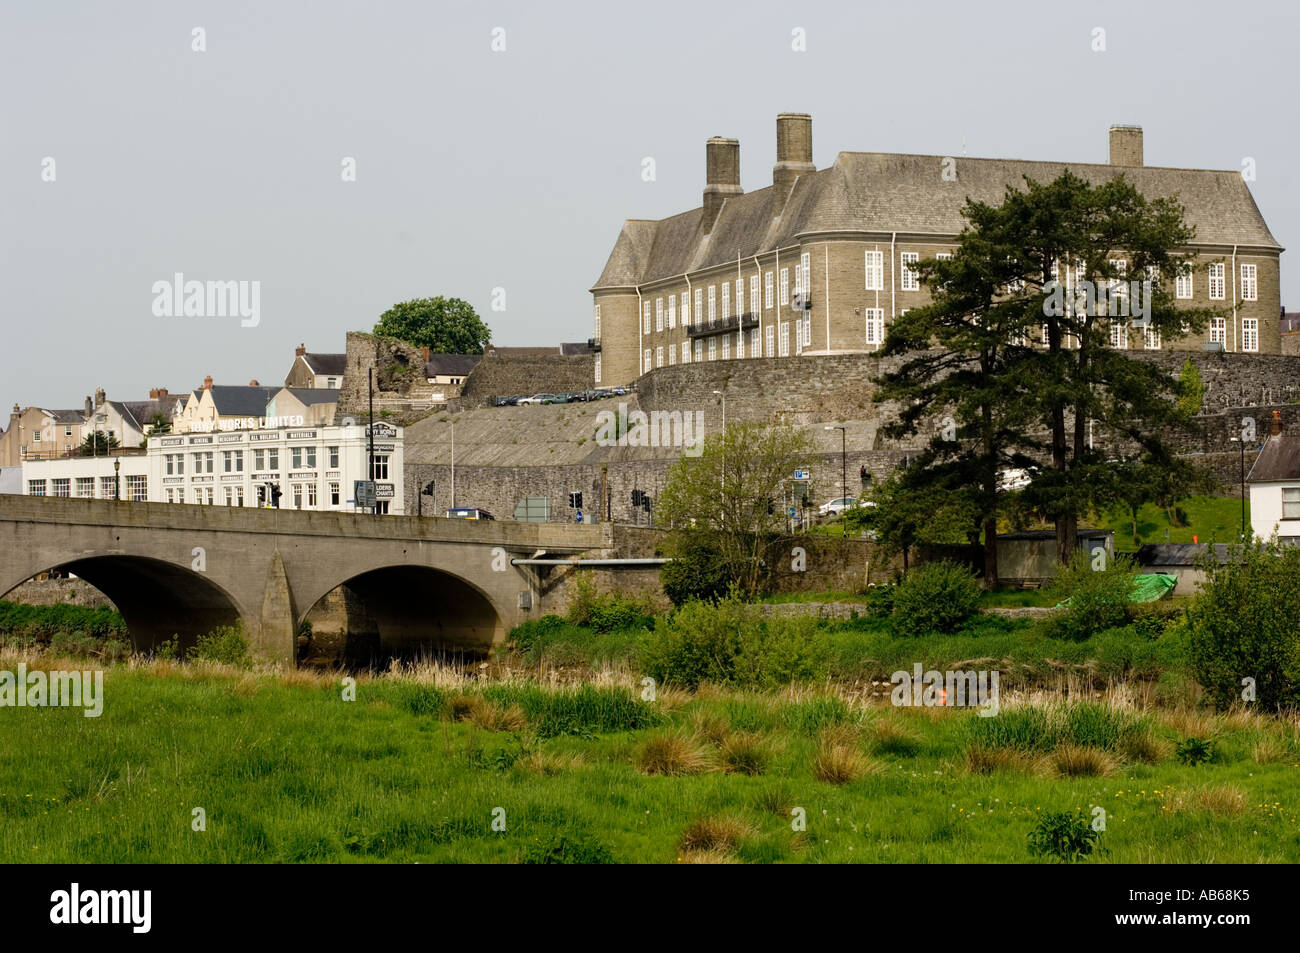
(575, 501)
(637, 497)
(276, 493)
(645, 502)
(261, 495)
(428, 489)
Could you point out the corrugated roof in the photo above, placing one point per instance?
(895, 192)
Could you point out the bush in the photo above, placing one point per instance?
(225, 644)
(568, 849)
(45, 622)
(1098, 598)
(1245, 623)
(697, 572)
(934, 597)
(1194, 751)
(1063, 836)
(605, 613)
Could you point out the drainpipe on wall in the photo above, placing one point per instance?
(1234, 297)
(758, 305)
(893, 265)
(827, 246)
(640, 349)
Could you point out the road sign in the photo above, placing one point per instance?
(801, 474)
(364, 492)
(579, 516)
(385, 491)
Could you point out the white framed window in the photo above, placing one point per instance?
(37, 487)
(755, 343)
(1219, 330)
(61, 486)
(1151, 338)
(1217, 281)
(713, 349)
(1018, 338)
(699, 306)
(686, 352)
(1183, 282)
(659, 356)
(767, 290)
(646, 321)
(753, 292)
(86, 487)
(686, 310)
(381, 467)
(1046, 338)
(726, 300)
(1119, 335)
(909, 281)
(1291, 502)
(645, 364)
(875, 327)
(785, 339)
(597, 368)
(740, 344)
(875, 268)
(672, 355)
(659, 314)
(1118, 302)
(596, 320)
(807, 329)
(783, 299)
(332, 454)
(672, 311)
(740, 296)
(943, 256)
(726, 347)
(1249, 284)
(713, 305)
(334, 488)
(1250, 334)
(699, 350)
(805, 273)
(771, 336)
(136, 488)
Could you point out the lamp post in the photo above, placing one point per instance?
(1242, 444)
(718, 393)
(844, 471)
(117, 479)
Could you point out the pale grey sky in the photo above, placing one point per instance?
(479, 169)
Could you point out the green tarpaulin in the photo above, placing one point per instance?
(1147, 587)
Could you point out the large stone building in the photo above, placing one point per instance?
(818, 262)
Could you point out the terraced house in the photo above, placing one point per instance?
(818, 261)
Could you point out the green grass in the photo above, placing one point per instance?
(1209, 518)
(286, 771)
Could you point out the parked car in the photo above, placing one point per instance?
(837, 506)
(540, 399)
(1016, 479)
(469, 513)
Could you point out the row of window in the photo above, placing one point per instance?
(732, 345)
(232, 461)
(136, 488)
(300, 495)
(130, 487)
(731, 300)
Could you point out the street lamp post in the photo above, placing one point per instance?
(117, 479)
(844, 471)
(1242, 444)
(718, 393)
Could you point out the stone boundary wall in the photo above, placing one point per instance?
(400, 384)
(505, 375)
(53, 592)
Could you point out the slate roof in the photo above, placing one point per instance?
(235, 401)
(328, 364)
(141, 412)
(1279, 460)
(1178, 554)
(311, 396)
(68, 416)
(454, 365)
(892, 192)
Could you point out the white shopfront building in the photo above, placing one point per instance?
(314, 468)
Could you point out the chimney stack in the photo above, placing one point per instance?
(722, 176)
(1275, 425)
(99, 396)
(158, 393)
(793, 156)
(254, 383)
(300, 350)
(207, 382)
(1126, 145)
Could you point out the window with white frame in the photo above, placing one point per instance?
(334, 487)
(875, 321)
(1151, 338)
(137, 487)
(1183, 282)
(86, 487)
(1118, 303)
(1219, 330)
(1217, 281)
(875, 266)
(755, 343)
(807, 329)
(672, 311)
(380, 471)
(596, 320)
(785, 339)
(646, 321)
(659, 314)
(1291, 502)
(753, 292)
(740, 344)
(61, 486)
(1119, 334)
(713, 305)
(686, 352)
(767, 290)
(672, 355)
(659, 356)
(713, 349)
(771, 332)
(726, 300)
(943, 256)
(1249, 284)
(332, 453)
(740, 297)
(726, 347)
(910, 281)
(1250, 334)
(783, 299)
(597, 368)
(645, 364)
(805, 274)
(1046, 338)
(686, 310)
(699, 350)
(699, 306)
(35, 487)
(107, 488)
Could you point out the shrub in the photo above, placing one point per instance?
(697, 642)
(1075, 761)
(838, 759)
(697, 572)
(536, 631)
(604, 613)
(714, 833)
(1194, 751)
(567, 849)
(673, 753)
(1098, 598)
(743, 753)
(168, 649)
(225, 644)
(1245, 623)
(934, 597)
(1063, 835)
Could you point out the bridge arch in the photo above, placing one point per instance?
(399, 610)
(157, 599)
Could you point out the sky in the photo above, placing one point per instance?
(498, 147)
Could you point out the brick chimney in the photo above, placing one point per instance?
(99, 396)
(424, 352)
(300, 350)
(158, 393)
(254, 383)
(793, 156)
(1275, 425)
(722, 176)
(1126, 145)
(207, 382)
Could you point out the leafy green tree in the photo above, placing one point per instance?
(728, 499)
(1191, 389)
(98, 443)
(443, 325)
(160, 423)
(907, 513)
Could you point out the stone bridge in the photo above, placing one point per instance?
(440, 584)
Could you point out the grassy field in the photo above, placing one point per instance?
(1209, 518)
(420, 765)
